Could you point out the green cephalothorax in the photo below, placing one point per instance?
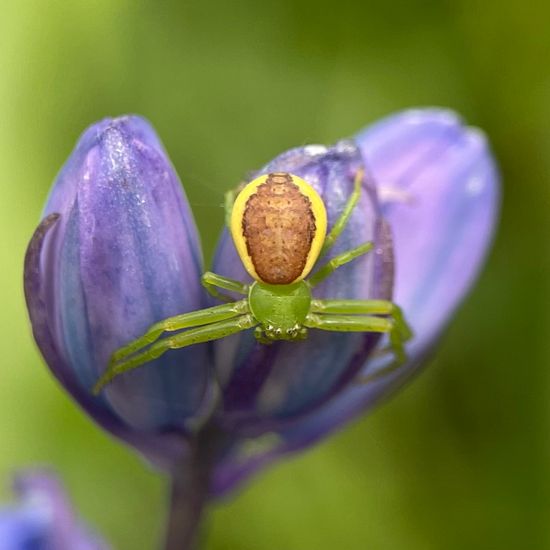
(278, 223)
(281, 310)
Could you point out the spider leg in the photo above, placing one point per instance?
(342, 259)
(229, 199)
(361, 323)
(366, 307)
(212, 281)
(178, 322)
(197, 335)
(342, 221)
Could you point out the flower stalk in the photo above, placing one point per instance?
(189, 488)
(188, 496)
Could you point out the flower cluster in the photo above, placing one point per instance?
(118, 250)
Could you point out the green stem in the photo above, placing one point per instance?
(188, 497)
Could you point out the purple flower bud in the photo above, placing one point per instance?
(438, 188)
(43, 518)
(116, 252)
(267, 386)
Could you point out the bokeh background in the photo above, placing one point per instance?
(461, 457)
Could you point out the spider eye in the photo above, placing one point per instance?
(292, 332)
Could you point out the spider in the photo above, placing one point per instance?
(278, 223)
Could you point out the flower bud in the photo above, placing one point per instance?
(438, 190)
(118, 251)
(266, 386)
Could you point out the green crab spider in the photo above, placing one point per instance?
(278, 223)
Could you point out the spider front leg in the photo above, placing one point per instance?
(366, 307)
(332, 265)
(211, 317)
(360, 316)
(356, 323)
(179, 322)
(198, 335)
(212, 281)
(344, 217)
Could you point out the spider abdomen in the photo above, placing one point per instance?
(278, 225)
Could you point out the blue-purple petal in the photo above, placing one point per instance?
(442, 204)
(163, 449)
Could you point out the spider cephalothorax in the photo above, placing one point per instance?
(278, 223)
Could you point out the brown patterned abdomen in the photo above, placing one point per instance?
(278, 226)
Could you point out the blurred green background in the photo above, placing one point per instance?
(461, 458)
